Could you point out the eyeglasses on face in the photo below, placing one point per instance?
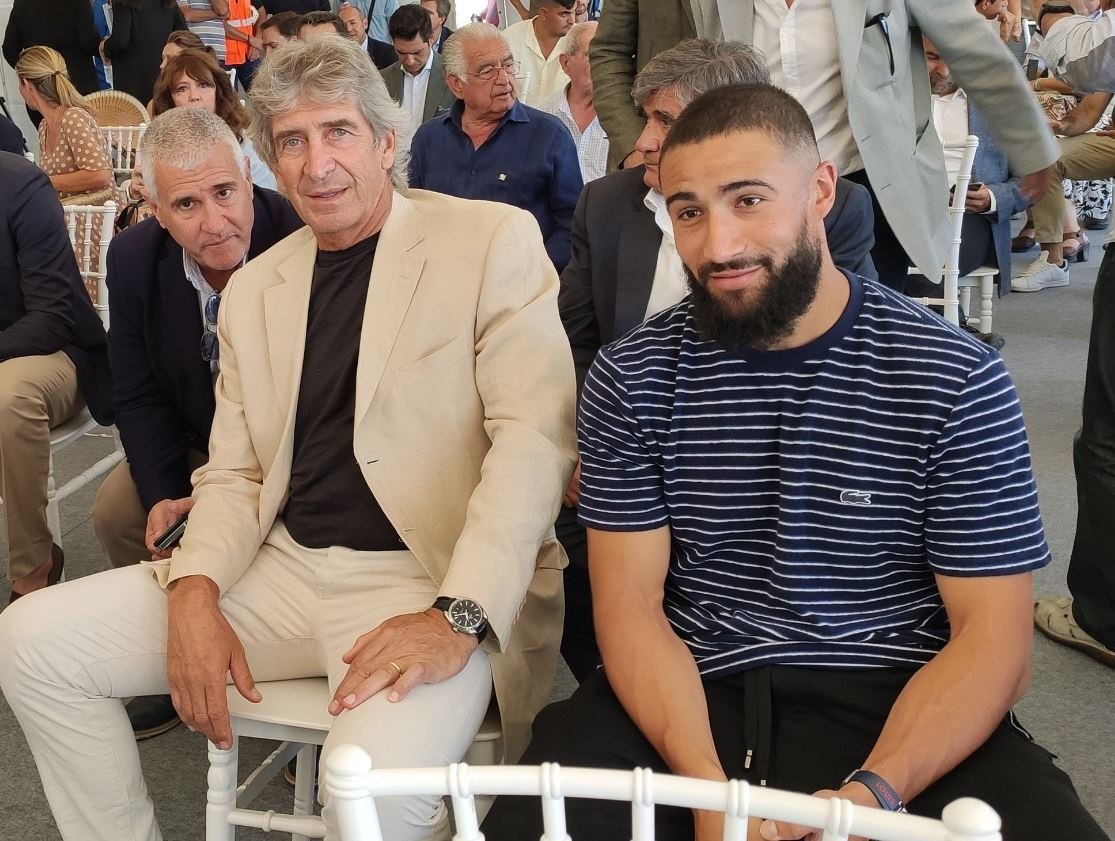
(487, 74)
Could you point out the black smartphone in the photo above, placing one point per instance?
(974, 185)
(172, 535)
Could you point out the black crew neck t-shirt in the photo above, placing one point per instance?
(329, 503)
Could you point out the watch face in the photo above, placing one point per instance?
(466, 615)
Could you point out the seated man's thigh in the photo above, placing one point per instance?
(1017, 777)
(433, 726)
(106, 633)
(589, 730)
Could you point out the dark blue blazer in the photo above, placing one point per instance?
(44, 307)
(163, 392)
(991, 167)
(605, 288)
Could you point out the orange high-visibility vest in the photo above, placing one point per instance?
(242, 16)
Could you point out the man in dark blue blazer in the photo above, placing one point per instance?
(623, 269)
(985, 235)
(165, 276)
(53, 360)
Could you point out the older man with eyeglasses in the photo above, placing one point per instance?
(165, 279)
(491, 146)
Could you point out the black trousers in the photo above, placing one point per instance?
(796, 729)
(888, 254)
(578, 639)
(1092, 566)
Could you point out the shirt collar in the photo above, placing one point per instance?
(656, 204)
(957, 95)
(194, 275)
(517, 114)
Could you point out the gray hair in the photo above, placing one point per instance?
(327, 70)
(575, 41)
(183, 138)
(698, 65)
(453, 53)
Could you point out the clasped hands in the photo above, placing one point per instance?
(203, 650)
(709, 826)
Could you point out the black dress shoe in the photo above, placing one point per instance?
(1094, 223)
(57, 564)
(152, 715)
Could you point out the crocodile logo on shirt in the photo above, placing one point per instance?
(855, 498)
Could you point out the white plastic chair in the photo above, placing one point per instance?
(294, 713)
(353, 787)
(952, 283)
(81, 222)
(123, 143)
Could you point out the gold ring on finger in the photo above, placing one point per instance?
(398, 669)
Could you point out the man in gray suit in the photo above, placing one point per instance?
(417, 80)
(862, 79)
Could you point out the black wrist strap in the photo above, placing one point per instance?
(888, 798)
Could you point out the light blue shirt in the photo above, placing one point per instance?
(381, 10)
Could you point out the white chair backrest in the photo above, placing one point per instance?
(90, 230)
(123, 142)
(353, 785)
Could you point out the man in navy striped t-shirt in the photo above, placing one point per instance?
(811, 521)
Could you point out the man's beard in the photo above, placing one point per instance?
(942, 85)
(761, 317)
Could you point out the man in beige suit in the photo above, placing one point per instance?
(393, 434)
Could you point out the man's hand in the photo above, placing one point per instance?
(403, 652)
(978, 201)
(572, 496)
(857, 793)
(1009, 25)
(159, 519)
(201, 650)
(1034, 185)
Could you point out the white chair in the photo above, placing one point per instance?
(81, 223)
(353, 787)
(952, 283)
(123, 143)
(293, 712)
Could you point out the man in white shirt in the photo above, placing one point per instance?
(574, 104)
(534, 44)
(417, 80)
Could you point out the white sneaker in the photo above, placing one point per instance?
(1040, 274)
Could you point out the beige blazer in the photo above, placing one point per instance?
(464, 424)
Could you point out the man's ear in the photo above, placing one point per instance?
(456, 86)
(563, 61)
(824, 187)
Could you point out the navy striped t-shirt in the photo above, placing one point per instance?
(812, 493)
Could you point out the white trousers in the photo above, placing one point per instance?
(68, 654)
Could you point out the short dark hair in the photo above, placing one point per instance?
(288, 23)
(409, 22)
(318, 18)
(735, 108)
(565, 4)
(444, 7)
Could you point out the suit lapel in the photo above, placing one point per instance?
(435, 90)
(849, 23)
(637, 258)
(179, 331)
(286, 307)
(395, 272)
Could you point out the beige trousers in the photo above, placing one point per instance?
(68, 654)
(1083, 158)
(119, 520)
(36, 393)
